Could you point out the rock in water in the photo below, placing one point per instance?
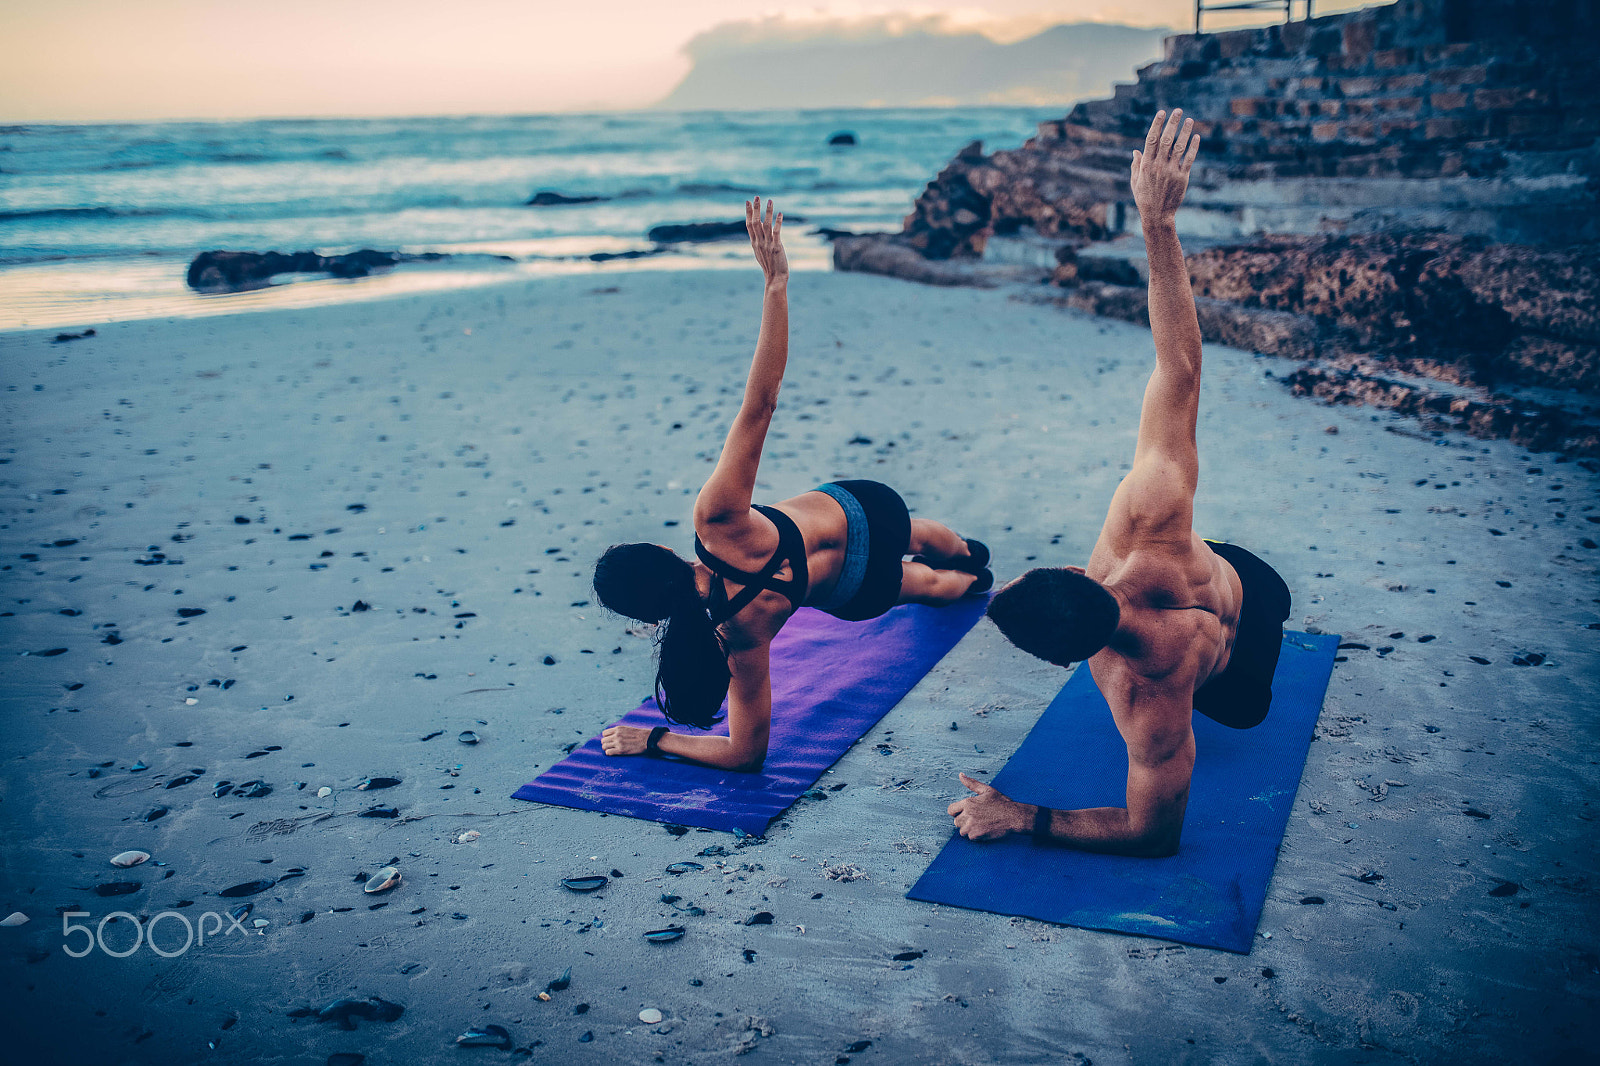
(547, 198)
(697, 231)
(130, 858)
(220, 271)
(843, 137)
(382, 881)
(485, 1036)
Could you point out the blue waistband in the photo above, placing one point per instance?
(858, 542)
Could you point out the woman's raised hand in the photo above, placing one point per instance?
(766, 239)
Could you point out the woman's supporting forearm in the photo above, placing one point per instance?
(713, 751)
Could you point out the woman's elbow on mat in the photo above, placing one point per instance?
(749, 758)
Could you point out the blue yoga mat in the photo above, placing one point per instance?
(1210, 893)
(831, 682)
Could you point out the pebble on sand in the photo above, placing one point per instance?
(14, 918)
(585, 884)
(130, 858)
(485, 1036)
(663, 936)
(650, 1016)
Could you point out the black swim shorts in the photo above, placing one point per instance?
(888, 537)
(1241, 695)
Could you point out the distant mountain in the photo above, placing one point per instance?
(915, 68)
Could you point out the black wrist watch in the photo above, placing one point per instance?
(653, 745)
(1041, 825)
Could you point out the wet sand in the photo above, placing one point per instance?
(385, 514)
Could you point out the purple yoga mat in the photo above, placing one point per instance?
(831, 681)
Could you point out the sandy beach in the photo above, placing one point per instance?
(307, 548)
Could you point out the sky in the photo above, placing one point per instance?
(115, 60)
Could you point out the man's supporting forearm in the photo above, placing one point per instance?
(1102, 829)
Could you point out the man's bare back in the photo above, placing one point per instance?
(1178, 604)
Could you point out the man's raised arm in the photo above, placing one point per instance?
(1159, 178)
(1159, 490)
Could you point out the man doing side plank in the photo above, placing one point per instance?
(1168, 623)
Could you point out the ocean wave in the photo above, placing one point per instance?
(84, 212)
(714, 188)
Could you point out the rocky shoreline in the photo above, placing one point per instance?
(1498, 341)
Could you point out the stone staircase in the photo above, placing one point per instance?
(1362, 122)
(1343, 97)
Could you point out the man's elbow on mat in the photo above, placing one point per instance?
(1157, 837)
(1157, 845)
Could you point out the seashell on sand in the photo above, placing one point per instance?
(382, 881)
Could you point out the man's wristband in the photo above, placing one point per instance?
(1041, 824)
(653, 745)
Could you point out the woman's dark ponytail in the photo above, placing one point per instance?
(654, 584)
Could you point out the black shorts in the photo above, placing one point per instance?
(889, 538)
(1241, 695)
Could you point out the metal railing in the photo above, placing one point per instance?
(1286, 6)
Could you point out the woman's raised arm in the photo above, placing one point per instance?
(726, 495)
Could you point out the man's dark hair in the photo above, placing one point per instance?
(1059, 615)
(653, 584)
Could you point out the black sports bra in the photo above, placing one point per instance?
(791, 550)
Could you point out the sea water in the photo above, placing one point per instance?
(99, 222)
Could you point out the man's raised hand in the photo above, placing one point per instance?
(766, 239)
(1161, 171)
